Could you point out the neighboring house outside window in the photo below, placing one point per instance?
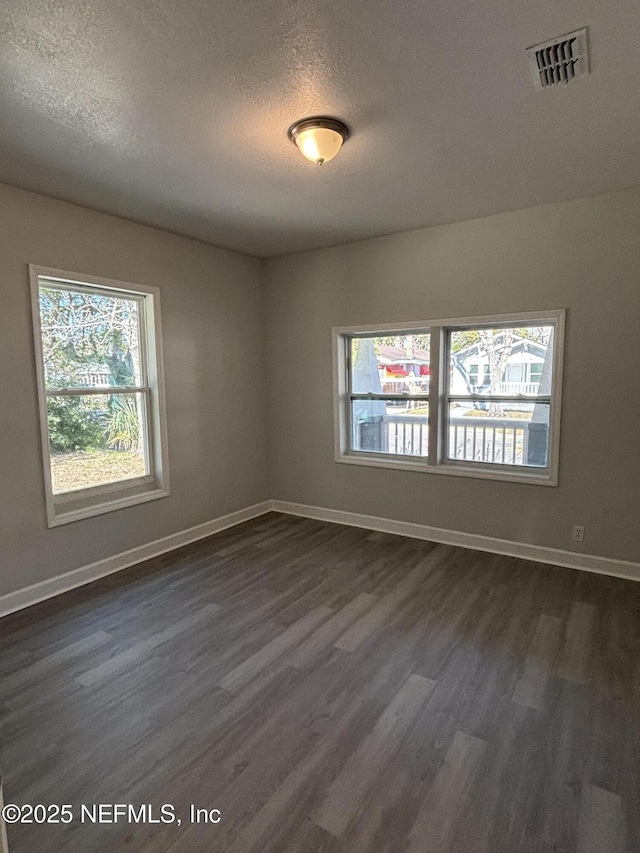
(476, 396)
(101, 392)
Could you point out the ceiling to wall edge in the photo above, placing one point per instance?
(634, 187)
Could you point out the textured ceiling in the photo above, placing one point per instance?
(176, 114)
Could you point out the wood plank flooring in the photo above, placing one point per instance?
(329, 689)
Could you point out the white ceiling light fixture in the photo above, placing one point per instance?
(319, 138)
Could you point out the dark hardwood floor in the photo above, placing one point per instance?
(329, 689)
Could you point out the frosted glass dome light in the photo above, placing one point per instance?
(319, 139)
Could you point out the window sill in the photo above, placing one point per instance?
(65, 511)
(450, 469)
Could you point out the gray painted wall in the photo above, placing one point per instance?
(583, 256)
(213, 327)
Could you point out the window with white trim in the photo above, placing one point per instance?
(470, 397)
(101, 394)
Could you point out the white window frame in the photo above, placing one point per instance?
(436, 462)
(74, 505)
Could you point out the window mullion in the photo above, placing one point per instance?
(97, 390)
(347, 343)
(419, 397)
(143, 342)
(435, 381)
(147, 432)
(497, 398)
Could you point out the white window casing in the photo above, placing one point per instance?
(436, 460)
(76, 504)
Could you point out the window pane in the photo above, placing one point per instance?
(89, 339)
(509, 361)
(386, 427)
(500, 433)
(394, 364)
(96, 439)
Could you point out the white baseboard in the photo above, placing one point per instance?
(13, 601)
(537, 553)
(21, 598)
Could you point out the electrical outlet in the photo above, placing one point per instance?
(578, 533)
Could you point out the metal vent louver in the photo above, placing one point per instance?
(559, 61)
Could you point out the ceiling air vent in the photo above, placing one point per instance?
(560, 60)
